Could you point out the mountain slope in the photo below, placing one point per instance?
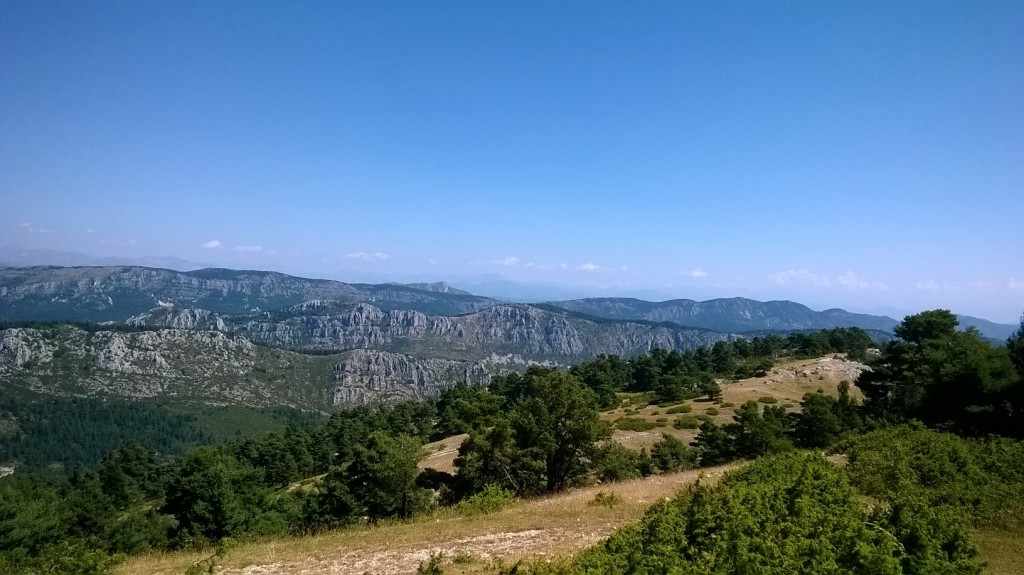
(98, 294)
(201, 356)
(727, 314)
(208, 367)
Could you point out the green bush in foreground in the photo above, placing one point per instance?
(789, 513)
(981, 481)
(492, 498)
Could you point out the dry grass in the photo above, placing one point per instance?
(556, 526)
(441, 454)
(787, 382)
(1002, 550)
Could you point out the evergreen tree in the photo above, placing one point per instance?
(382, 477)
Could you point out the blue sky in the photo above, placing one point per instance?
(864, 155)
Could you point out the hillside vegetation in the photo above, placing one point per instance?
(540, 433)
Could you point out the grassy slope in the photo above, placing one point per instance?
(787, 383)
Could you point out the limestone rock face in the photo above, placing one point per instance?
(208, 367)
(371, 375)
(519, 329)
(218, 368)
(185, 318)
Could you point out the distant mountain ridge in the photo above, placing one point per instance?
(727, 314)
(115, 293)
(741, 315)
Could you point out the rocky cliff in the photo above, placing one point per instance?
(215, 368)
(528, 331)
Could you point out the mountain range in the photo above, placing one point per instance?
(265, 338)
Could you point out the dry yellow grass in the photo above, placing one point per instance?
(551, 527)
(441, 454)
(1002, 550)
(787, 383)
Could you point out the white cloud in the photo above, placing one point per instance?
(248, 248)
(797, 277)
(90, 231)
(509, 261)
(927, 285)
(1014, 284)
(624, 268)
(212, 244)
(850, 280)
(698, 273)
(368, 257)
(30, 228)
(432, 261)
(563, 265)
(588, 267)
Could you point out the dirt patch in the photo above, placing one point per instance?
(441, 454)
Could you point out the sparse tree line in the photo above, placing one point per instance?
(528, 434)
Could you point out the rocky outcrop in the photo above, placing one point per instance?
(186, 318)
(217, 368)
(367, 375)
(207, 367)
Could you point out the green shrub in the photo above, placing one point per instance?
(790, 513)
(606, 499)
(686, 422)
(711, 411)
(614, 462)
(983, 481)
(492, 498)
(684, 408)
(633, 424)
(727, 404)
(767, 399)
(670, 454)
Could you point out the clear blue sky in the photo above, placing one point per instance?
(849, 154)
